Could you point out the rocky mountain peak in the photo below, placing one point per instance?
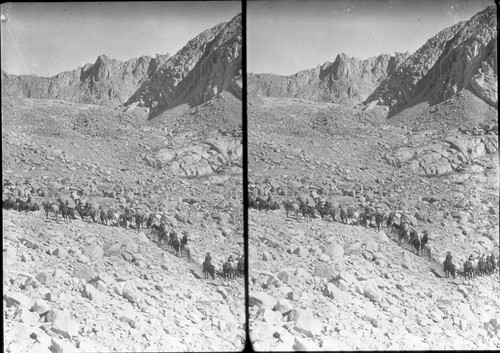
(146, 81)
(463, 56)
(458, 57)
(206, 65)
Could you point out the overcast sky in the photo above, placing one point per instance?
(48, 38)
(284, 37)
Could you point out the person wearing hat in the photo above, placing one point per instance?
(208, 258)
(448, 256)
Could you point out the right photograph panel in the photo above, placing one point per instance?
(373, 175)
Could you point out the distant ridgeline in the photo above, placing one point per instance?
(463, 56)
(208, 64)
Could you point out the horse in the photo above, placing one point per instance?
(208, 269)
(322, 210)
(187, 250)
(175, 245)
(351, 214)
(273, 205)
(240, 267)
(468, 269)
(379, 219)
(254, 202)
(427, 249)
(102, 214)
(125, 220)
(139, 220)
(28, 204)
(184, 241)
(19, 205)
(363, 219)
(9, 203)
(112, 216)
(424, 247)
(415, 241)
(150, 221)
(490, 264)
(229, 270)
(51, 207)
(343, 215)
(67, 212)
(87, 211)
(64, 208)
(334, 212)
(307, 212)
(404, 232)
(306, 209)
(449, 268)
(162, 232)
(390, 219)
(260, 203)
(172, 236)
(291, 206)
(481, 266)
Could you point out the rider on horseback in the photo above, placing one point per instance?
(448, 256)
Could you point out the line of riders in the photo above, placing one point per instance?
(348, 215)
(230, 269)
(396, 223)
(159, 223)
(85, 210)
(19, 205)
(168, 235)
(344, 213)
(485, 266)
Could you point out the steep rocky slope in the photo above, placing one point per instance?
(460, 57)
(219, 69)
(323, 285)
(397, 90)
(82, 287)
(145, 297)
(208, 64)
(345, 79)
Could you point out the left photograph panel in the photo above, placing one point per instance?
(122, 175)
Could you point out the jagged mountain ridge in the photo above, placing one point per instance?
(344, 79)
(146, 81)
(463, 56)
(107, 81)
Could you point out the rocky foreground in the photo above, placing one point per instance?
(89, 287)
(330, 286)
(85, 287)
